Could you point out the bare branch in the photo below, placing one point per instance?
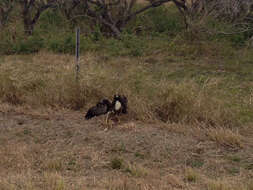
(32, 10)
(152, 5)
(6, 6)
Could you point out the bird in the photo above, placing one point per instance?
(119, 104)
(115, 108)
(101, 108)
(118, 107)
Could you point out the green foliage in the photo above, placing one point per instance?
(158, 28)
(30, 45)
(51, 18)
(229, 32)
(157, 21)
(96, 35)
(164, 19)
(12, 44)
(134, 45)
(62, 44)
(128, 45)
(139, 155)
(65, 43)
(195, 163)
(6, 47)
(240, 39)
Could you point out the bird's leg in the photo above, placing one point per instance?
(118, 118)
(108, 124)
(106, 119)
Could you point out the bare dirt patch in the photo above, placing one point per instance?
(60, 150)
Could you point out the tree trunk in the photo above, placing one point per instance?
(116, 31)
(4, 15)
(28, 27)
(28, 19)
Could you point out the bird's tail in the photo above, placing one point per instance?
(89, 115)
(124, 102)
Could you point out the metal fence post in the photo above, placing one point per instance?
(77, 53)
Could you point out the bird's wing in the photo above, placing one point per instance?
(124, 104)
(90, 113)
(124, 98)
(101, 109)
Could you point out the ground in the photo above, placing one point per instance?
(190, 95)
(46, 149)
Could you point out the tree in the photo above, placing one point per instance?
(68, 8)
(237, 13)
(110, 15)
(114, 15)
(6, 6)
(31, 11)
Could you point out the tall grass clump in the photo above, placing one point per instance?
(167, 101)
(38, 91)
(35, 85)
(51, 82)
(9, 91)
(189, 102)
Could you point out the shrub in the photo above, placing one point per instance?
(66, 43)
(187, 102)
(9, 91)
(51, 19)
(129, 45)
(163, 19)
(30, 45)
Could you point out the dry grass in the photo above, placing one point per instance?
(24, 181)
(226, 137)
(46, 145)
(54, 181)
(49, 80)
(188, 102)
(226, 184)
(63, 151)
(191, 175)
(136, 170)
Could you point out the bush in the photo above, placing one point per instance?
(6, 47)
(51, 19)
(66, 43)
(241, 38)
(13, 41)
(30, 45)
(190, 103)
(62, 44)
(129, 45)
(163, 19)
